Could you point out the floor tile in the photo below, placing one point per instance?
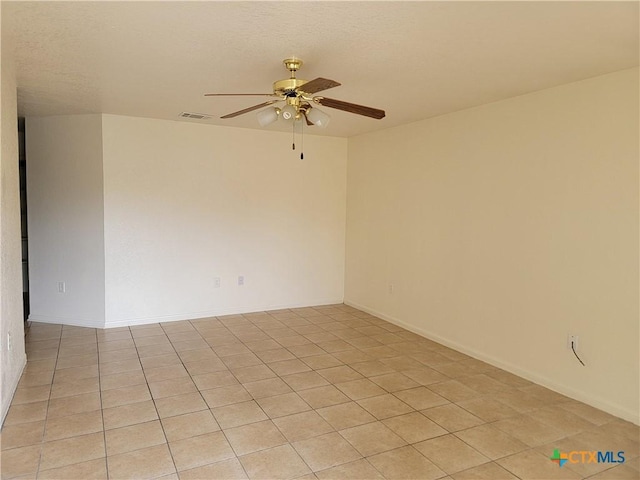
(304, 380)
(152, 340)
(58, 428)
(31, 394)
(306, 350)
(170, 388)
(165, 373)
(339, 374)
(405, 463)
(134, 437)
(281, 405)
(528, 430)
(199, 367)
(124, 396)
(384, 406)
(325, 396)
(60, 407)
(414, 427)
(244, 360)
(281, 462)
(276, 355)
(200, 355)
(359, 469)
(530, 465)
(620, 472)
(189, 425)
(74, 387)
(567, 422)
(591, 414)
(318, 362)
(155, 350)
(425, 376)
(76, 373)
(491, 442)
(253, 373)
(372, 438)
(488, 409)
(453, 391)
(326, 451)
(129, 414)
(452, 417)
(90, 470)
(20, 461)
(302, 426)
(345, 415)
(180, 404)
(238, 414)
(359, 389)
(519, 401)
(420, 398)
(218, 397)
(60, 453)
(22, 434)
(267, 388)
(254, 437)
(147, 463)
(117, 345)
(288, 367)
(121, 380)
(123, 366)
(486, 471)
(372, 368)
(160, 360)
(338, 383)
(450, 453)
(230, 469)
(26, 413)
(201, 450)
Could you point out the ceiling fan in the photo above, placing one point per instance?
(298, 96)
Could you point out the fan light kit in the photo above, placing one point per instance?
(299, 101)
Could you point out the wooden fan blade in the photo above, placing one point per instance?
(350, 107)
(317, 85)
(250, 109)
(240, 95)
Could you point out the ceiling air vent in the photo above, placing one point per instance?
(195, 116)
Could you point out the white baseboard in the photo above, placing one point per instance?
(6, 402)
(76, 322)
(127, 322)
(581, 396)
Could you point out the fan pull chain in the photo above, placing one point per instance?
(293, 136)
(302, 139)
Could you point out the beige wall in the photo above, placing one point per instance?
(66, 219)
(139, 217)
(11, 310)
(505, 227)
(187, 203)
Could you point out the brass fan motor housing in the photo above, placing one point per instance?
(281, 87)
(289, 85)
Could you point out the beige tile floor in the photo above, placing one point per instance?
(326, 392)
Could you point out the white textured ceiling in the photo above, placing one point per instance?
(413, 59)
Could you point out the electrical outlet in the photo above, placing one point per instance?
(241, 280)
(9, 346)
(390, 289)
(62, 287)
(216, 282)
(572, 340)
